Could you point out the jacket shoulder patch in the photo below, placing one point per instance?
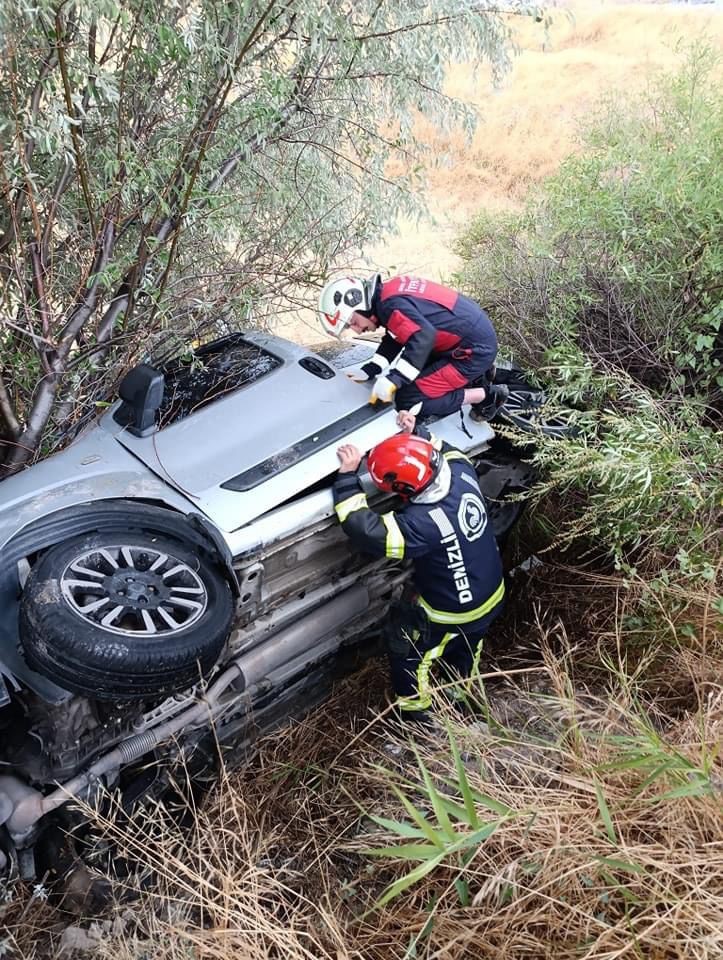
(472, 516)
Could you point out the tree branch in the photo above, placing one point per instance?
(79, 159)
(86, 303)
(37, 272)
(28, 149)
(195, 148)
(61, 185)
(7, 410)
(47, 388)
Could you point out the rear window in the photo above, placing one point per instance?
(209, 373)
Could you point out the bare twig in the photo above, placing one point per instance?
(77, 147)
(7, 411)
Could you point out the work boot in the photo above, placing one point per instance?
(488, 408)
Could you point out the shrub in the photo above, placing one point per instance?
(622, 254)
(609, 283)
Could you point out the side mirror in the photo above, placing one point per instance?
(141, 391)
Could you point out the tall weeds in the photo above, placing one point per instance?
(612, 843)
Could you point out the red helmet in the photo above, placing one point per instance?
(403, 464)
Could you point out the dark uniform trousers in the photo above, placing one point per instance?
(421, 652)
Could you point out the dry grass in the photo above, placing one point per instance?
(592, 862)
(529, 125)
(605, 749)
(609, 765)
(612, 848)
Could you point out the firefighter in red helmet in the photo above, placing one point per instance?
(444, 529)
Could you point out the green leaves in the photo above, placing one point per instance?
(235, 148)
(446, 832)
(620, 254)
(605, 814)
(668, 771)
(640, 368)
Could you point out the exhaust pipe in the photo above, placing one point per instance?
(276, 657)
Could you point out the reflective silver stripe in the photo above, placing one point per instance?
(443, 523)
(444, 616)
(471, 481)
(424, 687)
(357, 502)
(406, 369)
(395, 537)
(380, 361)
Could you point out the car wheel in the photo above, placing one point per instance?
(124, 616)
(527, 410)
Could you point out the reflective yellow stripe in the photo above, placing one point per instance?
(395, 537)
(425, 665)
(412, 703)
(456, 455)
(442, 616)
(357, 502)
(423, 700)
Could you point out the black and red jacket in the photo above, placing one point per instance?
(425, 321)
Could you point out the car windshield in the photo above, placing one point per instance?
(201, 376)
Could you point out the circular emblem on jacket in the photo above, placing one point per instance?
(472, 516)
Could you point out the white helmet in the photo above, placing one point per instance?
(341, 298)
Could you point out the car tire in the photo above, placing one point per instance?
(124, 615)
(526, 407)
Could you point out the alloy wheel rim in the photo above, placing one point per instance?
(527, 412)
(134, 591)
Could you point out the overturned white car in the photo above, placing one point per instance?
(177, 573)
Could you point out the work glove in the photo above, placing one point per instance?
(357, 374)
(383, 389)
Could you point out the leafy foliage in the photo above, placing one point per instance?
(451, 832)
(165, 166)
(649, 473)
(621, 255)
(610, 283)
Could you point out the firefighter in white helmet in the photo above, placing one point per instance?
(438, 349)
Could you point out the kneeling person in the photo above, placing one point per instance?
(443, 528)
(438, 348)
